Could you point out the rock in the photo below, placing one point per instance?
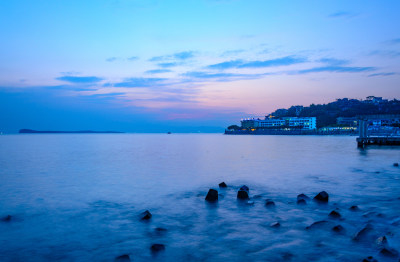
(322, 197)
(363, 233)
(6, 218)
(242, 194)
(381, 241)
(396, 164)
(222, 185)
(269, 203)
(389, 252)
(212, 195)
(302, 196)
(338, 229)
(157, 247)
(317, 224)
(245, 188)
(257, 196)
(160, 229)
(354, 208)
(370, 259)
(335, 214)
(275, 224)
(146, 215)
(301, 202)
(124, 257)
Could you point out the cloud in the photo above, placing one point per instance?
(342, 14)
(166, 65)
(177, 56)
(382, 74)
(80, 79)
(282, 61)
(385, 53)
(333, 61)
(158, 71)
(336, 69)
(133, 58)
(232, 52)
(139, 82)
(222, 77)
(111, 59)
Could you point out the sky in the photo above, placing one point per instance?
(188, 66)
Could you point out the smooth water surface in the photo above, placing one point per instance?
(77, 197)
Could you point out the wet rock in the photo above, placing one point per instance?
(222, 185)
(354, 208)
(363, 233)
(157, 247)
(317, 224)
(302, 196)
(381, 241)
(242, 194)
(244, 188)
(6, 218)
(269, 203)
(275, 225)
(335, 214)
(370, 259)
(389, 252)
(212, 195)
(338, 229)
(396, 164)
(124, 257)
(146, 215)
(322, 197)
(301, 202)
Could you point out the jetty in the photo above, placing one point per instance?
(377, 137)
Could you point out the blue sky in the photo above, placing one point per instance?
(187, 66)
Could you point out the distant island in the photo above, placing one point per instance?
(30, 131)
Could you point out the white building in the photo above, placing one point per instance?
(308, 123)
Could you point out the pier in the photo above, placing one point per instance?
(377, 138)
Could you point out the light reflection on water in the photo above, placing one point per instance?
(77, 197)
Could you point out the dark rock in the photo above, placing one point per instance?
(302, 196)
(245, 188)
(222, 185)
(317, 224)
(160, 229)
(157, 247)
(396, 164)
(124, 257)
(301, 202)
(335, 214)
(338, 229)
(381, 241)
(354, 208)
(146, 215)
(6, 218)
(370, 259)
(363, 233)
(269, 203)
(389, 252)
(242, 194)
(322, 197)
(212, 195)
(275, 224)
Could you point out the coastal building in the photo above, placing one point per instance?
(306, 123)
(347, 121)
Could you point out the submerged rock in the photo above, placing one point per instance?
(381, 241)
(322, 197)
(242, 194)
(338, 229)
(6, 218)
(396, 164)
(335, 214)
(212, 195)
(124, 257)
(370, 259)
(157, 247)
(301, 202)
(354, 208)
(244, 188)
(146, 215)
(389, 252)
(363, 233)
(222, 185)
(160, 229)
(317, 224)
(269, 203)
(302, 196)
(275, 224)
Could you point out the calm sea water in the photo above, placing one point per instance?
(77, 197)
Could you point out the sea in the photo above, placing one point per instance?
(79, 197)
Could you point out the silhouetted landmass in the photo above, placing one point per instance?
(30, 131)
(328, 113)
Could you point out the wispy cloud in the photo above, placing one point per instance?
(177, 56)
(386, 53)
(232, 52)
(337, 69)
(140, 82)
(111, 59)
(383, 74)
(282, 61)
(167, 65)
(342, 14)
(80, 79)
(333, 61)
(220, 77)
(133, 58)
(158, 71)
